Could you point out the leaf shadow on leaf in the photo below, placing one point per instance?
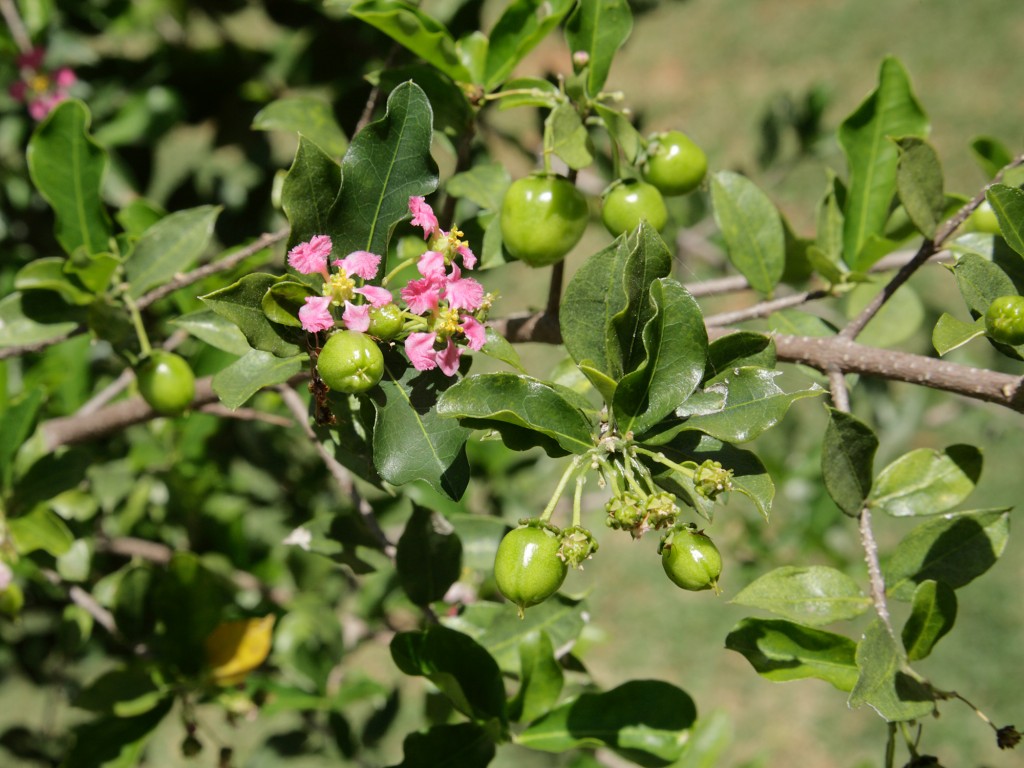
(958, 556)
(909, 688)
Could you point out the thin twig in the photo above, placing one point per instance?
(87, 602)
(246, 414)
(927, 250)
(837, 387)
(16, 25)
(764, 308)
(877, 582)
(265, 240)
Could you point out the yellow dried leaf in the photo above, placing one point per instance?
(236, 648)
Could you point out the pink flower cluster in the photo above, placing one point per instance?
(443, 309)
(41, 90)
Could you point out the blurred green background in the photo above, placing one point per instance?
(761, 85)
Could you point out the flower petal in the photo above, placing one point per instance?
(316, 314)
(420, 349)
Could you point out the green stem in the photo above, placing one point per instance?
(408, 262)
(611, 475)
(661, 459)
(577, 513)
(545, 516)
(140, 329)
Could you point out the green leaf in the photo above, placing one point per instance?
(599, 28)
(898, 319)
(950, 333)
(411, 440)
(847, 455)
(782, 651)
(594, 296)
(645, 721)
(18, 420)
(919, 183)
(242, 304)
(540, 679)
(252, 372)
(484, 185)
(499, 348)
(886, 683)
(456, 664)
(169, 247)
(675, 344)
(492, 400)
(114, 742)
(388, 162)
(421, 33)
(829, 236)
(429, 556)
(622, 131)
(990, 154)
(932, 615)
(565, 136)
(283, 300)
(187, 600)
(1008, 205)
(754, 403)
(742, 349)
(67, 166)
(529, 92)
(124, 692)
(521, 27)
(926, 481)
(813, 595)
(752, 229)
(981, 282)
(308, 192)
(499, 629)
(206, 325)
(309, 116)
(461, 745)
(40, 529)
(890, 111)
(648, 260)
(955, 549)
(47, 274)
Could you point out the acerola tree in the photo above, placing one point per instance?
(183, 552)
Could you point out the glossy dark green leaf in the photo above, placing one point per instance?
(461, 745)
(47, 274)
(781, 651)
(540, 678)
(847, 457)
(496, 399)
(932, 615)
(814, 595)
(67, 167)
(752, 229)
(990, 154)
(950, 333)
(308, 192)
(599, 28)
(499, 629)
(187, 601)
(453, 114)
(41, 529)
(919, 183)
(215, 330)
(411, 440)
(429, 556)
(499, 348)
(675, 342)
(169, 247)
(886, 683)
(283, 300)
(18, 420)
(522, 25)
(645, 721)
(416, 30)
(741, 349)
(114, 742)
(242, 304)
(754, 403)
(926, 481)
(456, 664)
(386, 163)
(565, 136)
(955, 549)
(252, 372)
(1008, 204)
(890, 111)
(133, 604)
(306, 115)
(648, 260)
(981, 282)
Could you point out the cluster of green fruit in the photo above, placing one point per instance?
(532, 560)
(544, 215)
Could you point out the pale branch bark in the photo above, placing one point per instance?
(875, 578)
(764, 308)
(16, 26)
(927, 250)
(86, 601)
(246, 414)
(186, 279)
(837, 387)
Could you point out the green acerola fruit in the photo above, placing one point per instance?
(675, 165)
(350, 362)
(527, 567)
(1004, 320)
(542, 218)
(166, 382)
(691, 560)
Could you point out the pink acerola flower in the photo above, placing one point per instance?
(40, 90)
(431, 265)
(420, 349)
(311, 257)
(356, 317)
(463, 292)
(361, 263)
(423, 216)
(423, 295)
(315, 315)
(476, 334)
